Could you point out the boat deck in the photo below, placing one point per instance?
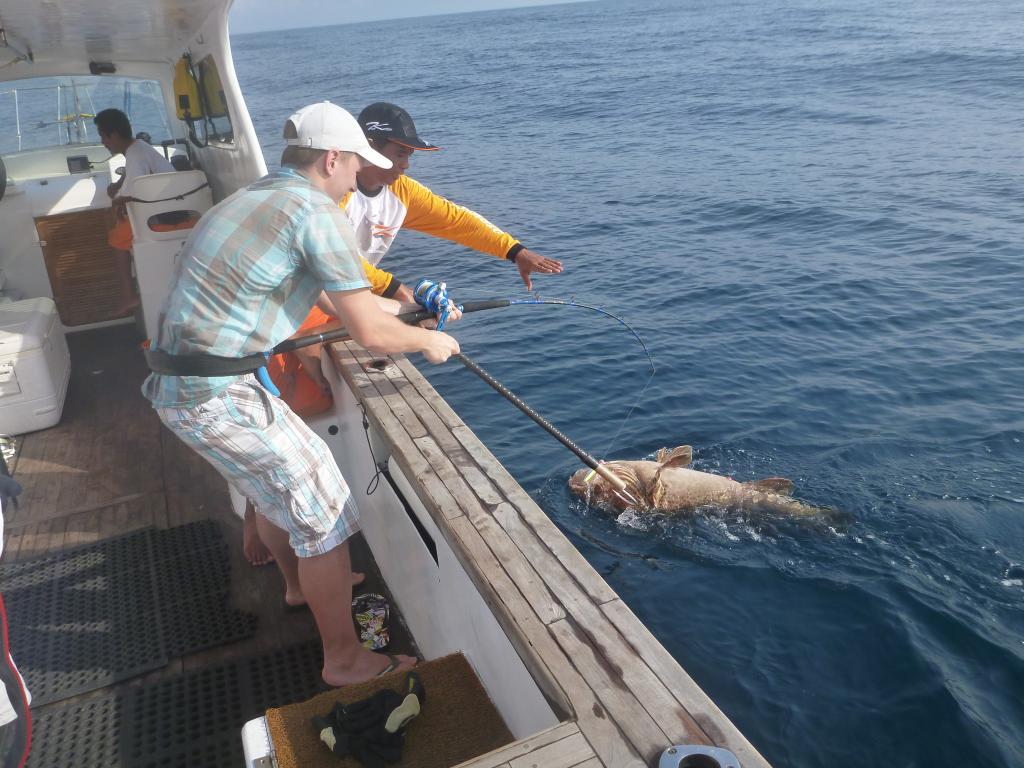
(110, 467)
(622, 698)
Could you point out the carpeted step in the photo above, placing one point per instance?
(458, 720)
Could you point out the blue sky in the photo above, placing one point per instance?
(262, 15)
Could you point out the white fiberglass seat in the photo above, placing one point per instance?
(166, 207)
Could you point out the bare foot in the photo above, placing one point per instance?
(358, 578)
(253, 548)
(367, 665)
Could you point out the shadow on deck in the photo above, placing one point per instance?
(110, 467)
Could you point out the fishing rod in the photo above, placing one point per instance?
(212, 365)
(478, 305)
(434, 299)
(512, 397)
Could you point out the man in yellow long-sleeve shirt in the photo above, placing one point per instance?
(387, 201)
(384, 203)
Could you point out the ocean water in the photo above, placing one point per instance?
(812, 213)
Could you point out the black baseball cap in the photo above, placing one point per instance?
(382, 120)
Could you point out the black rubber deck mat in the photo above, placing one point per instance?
(192, 720)
(84, 734)
(85, 618)
(203, 623)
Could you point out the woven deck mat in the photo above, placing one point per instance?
(458, 720)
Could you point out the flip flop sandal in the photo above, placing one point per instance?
(371, 613)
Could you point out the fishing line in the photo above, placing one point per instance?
(643, 390)
(435, 299)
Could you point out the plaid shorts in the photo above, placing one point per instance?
(269, 454)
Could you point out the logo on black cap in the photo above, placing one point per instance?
(385, 120)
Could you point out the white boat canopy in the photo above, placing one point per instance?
(53, 36)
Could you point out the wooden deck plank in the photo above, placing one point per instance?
(646, 737)
(652, 693)
(386, 389)
(13, 538)
(375, 404)
(656, 698)
(446, 471)
(42, 538)
(553, 672)
(679, 727)
(519, 568)
(14, 544)
(441, 433)
(530, 744)
(564, 753)
(43, 466)
(441, 505)
(428, 393)
(532, 514)
(697, 703)
(429, 405)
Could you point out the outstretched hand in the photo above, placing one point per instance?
(528, 262)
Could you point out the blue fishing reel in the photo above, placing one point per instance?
(434, 298)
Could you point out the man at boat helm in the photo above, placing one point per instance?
(385, 201)
(245, 280)
(140, 159)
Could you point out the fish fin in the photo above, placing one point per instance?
(777, 485)
(658, 492)
(677, 457)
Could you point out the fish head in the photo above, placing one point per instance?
(578, 484)
(596, 491)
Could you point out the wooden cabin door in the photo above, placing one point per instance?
(83, 272)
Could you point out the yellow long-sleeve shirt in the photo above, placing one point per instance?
(377, 220)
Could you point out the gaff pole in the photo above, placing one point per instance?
(551, 429)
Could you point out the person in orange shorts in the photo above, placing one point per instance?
(140, 159)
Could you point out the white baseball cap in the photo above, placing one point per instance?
(328, 126)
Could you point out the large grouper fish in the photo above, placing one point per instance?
(668, 485)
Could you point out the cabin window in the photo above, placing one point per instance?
(216, 120)
(58, 111)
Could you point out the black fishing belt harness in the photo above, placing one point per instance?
(167, 364)
(431, 296)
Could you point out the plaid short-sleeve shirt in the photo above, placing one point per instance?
(248, 276)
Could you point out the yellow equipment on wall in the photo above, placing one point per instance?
(186, 91)
(213, 91)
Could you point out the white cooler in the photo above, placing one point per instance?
(34, 366)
